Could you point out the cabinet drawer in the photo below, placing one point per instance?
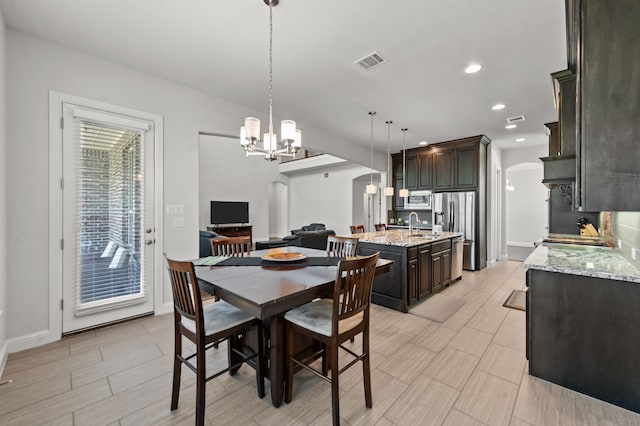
(441, 246)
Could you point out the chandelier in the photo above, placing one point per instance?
(250, 140)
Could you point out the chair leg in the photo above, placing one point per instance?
(177, 369)
(335, 389)
(201, 384)
(288, 390)
(260, 361)
(366, 369)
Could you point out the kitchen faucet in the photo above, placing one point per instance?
(411, 222)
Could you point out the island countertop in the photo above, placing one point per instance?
(402, 238)
(590, 261)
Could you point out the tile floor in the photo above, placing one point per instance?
(470, 370)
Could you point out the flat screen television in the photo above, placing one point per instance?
(229, 212)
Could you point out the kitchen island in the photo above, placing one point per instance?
(422, 265)
(583, 321)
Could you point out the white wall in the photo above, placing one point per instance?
(3, 202)
(495, 214)
(34, 67)
(226, 174)
(526, 205)
(314, 198)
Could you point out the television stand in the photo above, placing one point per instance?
(232, 230)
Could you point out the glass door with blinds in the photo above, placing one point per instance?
(107, 217)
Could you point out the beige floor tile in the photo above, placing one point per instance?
(30, 359)
(384, 422)
(516, 318)
(385, 391)
(90, 373)
(389, 340)
(452, 367)
(477, 296)
(435, 338)
(407, 362)
(470, 308)
(485, 322)
(503, 362)
(59, 406)
(13, 399)
(517, 422)
(494, 308)
(115, 407)
(488, 398)
(40, 372)
(140, 374)
(425, 402)
(471, 341)
(413, 323)
(457, 321)
(512, 337)
(542, 403)
(457, 418)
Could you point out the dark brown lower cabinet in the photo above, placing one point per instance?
(424, 257)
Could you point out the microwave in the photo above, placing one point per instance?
(418, 200)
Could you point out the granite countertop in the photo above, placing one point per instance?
(396, 226)
(589, 261)
(401, 238)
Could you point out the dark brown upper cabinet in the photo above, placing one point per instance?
(425, 170)
(411, 174)
(466, 173)
(443, 169)
(604, 52)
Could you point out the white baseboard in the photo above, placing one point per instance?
(491, 263)
(165, 309)
(4, 354)
(31, 340)
(520, 244)
(504, 257)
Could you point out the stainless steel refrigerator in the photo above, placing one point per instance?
(456, 212)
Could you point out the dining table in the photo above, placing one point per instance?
(267, 289)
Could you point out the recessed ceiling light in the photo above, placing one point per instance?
(497, 107)
(472, 68)
(510, 126)
(520, 140)
(423, 143)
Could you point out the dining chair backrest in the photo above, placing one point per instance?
(187, 301)
(380, 227)
(352, 289)
(231, 246)
(342, 246)
(357, 229)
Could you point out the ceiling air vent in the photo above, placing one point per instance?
(515, 119)
(372, 60)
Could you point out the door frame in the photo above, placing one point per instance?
(56, 99)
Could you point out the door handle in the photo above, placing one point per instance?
(148, 230)
(149, 242)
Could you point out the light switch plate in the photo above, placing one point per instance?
(178, 222)
(179, 209)
(633, 253)
(619, 244)
(170, 209)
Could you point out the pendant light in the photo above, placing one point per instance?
(372, 188)
(404, 192)
(388, 190)
(250, 132)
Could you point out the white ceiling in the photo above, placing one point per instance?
(221, 47)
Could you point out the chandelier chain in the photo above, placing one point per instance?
(270, 68)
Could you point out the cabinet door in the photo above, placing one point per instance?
(425, 271)
(436, 271)
(466, 168)
(412, 271)
(397, 165)
(443, 169)
(446, 267)
(412, 172)
(425, 171)
(398, 202)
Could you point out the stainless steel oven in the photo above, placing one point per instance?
(418, 200)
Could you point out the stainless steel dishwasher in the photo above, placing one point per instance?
(456, 258)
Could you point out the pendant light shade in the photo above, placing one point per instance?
(404, 192)
(372, 188)
(388, 190)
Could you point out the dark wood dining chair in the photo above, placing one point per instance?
(332, 322)
(213, 324)
(231, 246)
(380, 227)
(342, 246)
(357, 229)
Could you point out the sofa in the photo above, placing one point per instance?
(313, 236)
(205, 242)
